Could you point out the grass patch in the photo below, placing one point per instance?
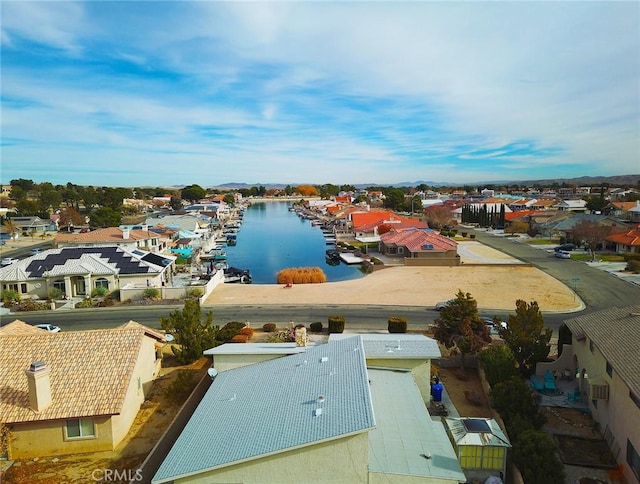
(542, 241)
(599, 257)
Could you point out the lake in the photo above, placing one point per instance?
(272, 238)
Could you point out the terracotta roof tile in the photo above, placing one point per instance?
(90, 371)
(415, 239)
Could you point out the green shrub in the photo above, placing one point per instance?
(631, 256)
(229, 330)
(472, 236)
(99, 291)
(55, 293)
(316, 327)
(195, 293)
(9, 297)
(268, 327)
(336, 324)
(151, 293)
(397, 325)
(633, 266)
(498, 364)
(464, 234)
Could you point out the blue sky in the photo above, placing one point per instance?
(160, 93)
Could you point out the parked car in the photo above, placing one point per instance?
(565, 247)
(561, 254)
(442, 304)
(49, 327)
(491, 324)
(8, 261)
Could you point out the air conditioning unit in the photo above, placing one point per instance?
(599, 391)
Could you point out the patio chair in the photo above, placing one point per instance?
(574, 397)
(550, 381)
(535, 383)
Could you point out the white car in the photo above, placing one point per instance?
(442, 304)
(561, 254)
(49, 327)
(6, 261)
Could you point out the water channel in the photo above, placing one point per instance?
(273, 238)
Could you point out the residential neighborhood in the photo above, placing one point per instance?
(259, 410)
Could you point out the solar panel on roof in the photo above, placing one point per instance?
(476, 425)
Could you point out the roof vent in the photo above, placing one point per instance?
(320, 398)
(317, 412)
(324, 359)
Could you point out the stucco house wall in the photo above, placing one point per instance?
(344, 460)
(619, 414)
(37, 439)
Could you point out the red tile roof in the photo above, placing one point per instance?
(415, 240)
(630, 238)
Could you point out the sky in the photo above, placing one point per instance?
(162, 93)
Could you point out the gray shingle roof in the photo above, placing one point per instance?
(396, 346)
(616, 334)
(269, 407)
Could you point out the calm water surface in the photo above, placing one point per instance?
(272, 238)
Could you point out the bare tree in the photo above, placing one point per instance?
(438, 216)
(590, 234)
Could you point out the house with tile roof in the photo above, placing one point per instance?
(626, 242)
(76, 271)
(73, 391)
(314, 415)
(140, 238)
(420, 247)
(604, 357)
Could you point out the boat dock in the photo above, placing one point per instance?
(349, 258)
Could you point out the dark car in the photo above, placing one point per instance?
(565, 247)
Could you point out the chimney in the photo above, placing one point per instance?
(125, 234)
(39, 385)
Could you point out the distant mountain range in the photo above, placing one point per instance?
(616, 180)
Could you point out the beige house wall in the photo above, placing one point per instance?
(229, 362)
(619, 413)
(38, 439)
(343, 460)
(144, 372)
(420, 369)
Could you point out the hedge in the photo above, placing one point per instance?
(336, 324)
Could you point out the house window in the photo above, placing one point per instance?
(400, 250)
(609, 369)
(102, 282)
(633, 459)
(59, 284)
(23, 288)
(12, 287)
(592, 347)
(634, 398)
(80, 428)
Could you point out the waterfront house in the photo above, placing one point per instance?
(419, 247)
(140, 238)
(76, 271)
(73, 391)
(626, 242)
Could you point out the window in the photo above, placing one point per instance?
(609, 369)
(102, 282)
(59, 284)
(12, 287)
(80, 428)
(633, 459)
(23, 288)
